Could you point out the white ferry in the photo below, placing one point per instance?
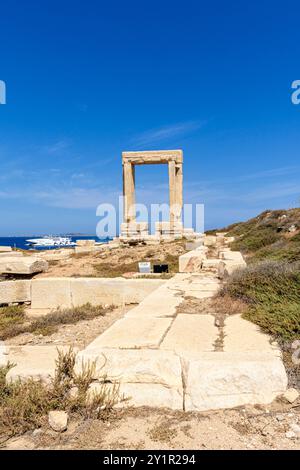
(50, 241)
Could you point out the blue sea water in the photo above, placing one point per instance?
(20, 242)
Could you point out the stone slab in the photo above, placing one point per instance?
(97, 291)
(190, 335)
(37, 362)
(51, 293)
(225, 380)
(15, 291)
(22, 265)
(242, 336)
(128, 333)
(134, 365)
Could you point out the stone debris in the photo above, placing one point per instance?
(58, 420)
(290, 435)
(291, 395)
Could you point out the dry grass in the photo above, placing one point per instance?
(24, 404)
(214, 305)
(14, 322)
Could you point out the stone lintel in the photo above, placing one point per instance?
(152, 157)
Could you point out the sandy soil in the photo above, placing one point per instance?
(144, 428)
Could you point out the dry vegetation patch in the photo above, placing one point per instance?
(24, 404)
(14, 322)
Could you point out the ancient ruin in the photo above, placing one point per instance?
(170, 228)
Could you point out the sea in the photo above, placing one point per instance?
(20, 242)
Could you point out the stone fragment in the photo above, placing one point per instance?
(58, 420)
(291, 395)
(226, 268)
(191, 262)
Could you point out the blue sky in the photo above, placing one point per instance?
(87, 80)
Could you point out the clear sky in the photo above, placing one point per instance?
(88, 79)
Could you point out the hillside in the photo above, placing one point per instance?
(272, 235)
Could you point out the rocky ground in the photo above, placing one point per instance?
(274, 427)
(116, 262)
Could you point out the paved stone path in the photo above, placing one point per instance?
(166, 359)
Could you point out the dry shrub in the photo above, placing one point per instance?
(24, 404)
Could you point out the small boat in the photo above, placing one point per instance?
(49, 241)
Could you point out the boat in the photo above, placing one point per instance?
(49, 241)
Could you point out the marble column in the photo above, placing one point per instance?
(129, 192)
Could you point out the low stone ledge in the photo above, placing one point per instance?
(68, 292)
(51, 293)
(15, 291)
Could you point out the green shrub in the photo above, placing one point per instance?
(272, 292)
